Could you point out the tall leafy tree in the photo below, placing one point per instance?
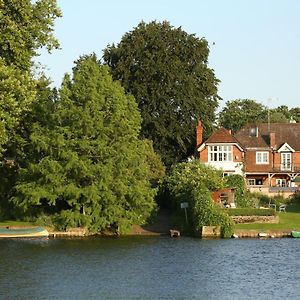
(295, 114)
(166, 69)
(89, 166)
(17, 92)
(18, 150)
(25, 26)
(237, 113)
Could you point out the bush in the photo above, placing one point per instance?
(295, 198)
(45, 220)
(242, 197)
(250, 212)
(193, 183)
(68, 219)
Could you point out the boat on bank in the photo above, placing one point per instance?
(295, 234)
(32, 232)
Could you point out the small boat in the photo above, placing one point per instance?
(32, 232)
(295, 234)
(262, 235)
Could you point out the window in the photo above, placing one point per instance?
(262, 158)
(286, 161)
(220, 153)
(281, 182)
(251, 181)
(254, 181)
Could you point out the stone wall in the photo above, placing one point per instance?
(255, 219)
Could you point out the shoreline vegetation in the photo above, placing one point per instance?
(288, 221)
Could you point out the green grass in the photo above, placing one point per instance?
(288, 220)
(16, 223)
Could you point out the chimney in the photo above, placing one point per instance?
(272, 140)
(199, 133)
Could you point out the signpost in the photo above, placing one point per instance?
(185, 205)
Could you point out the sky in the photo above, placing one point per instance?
(254, 44)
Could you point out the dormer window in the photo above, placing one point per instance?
(220, 153)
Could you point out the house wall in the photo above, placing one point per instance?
(235, 166)
(252, 166)
(266, 191)
(277, 158)
(203, 155)
(296, 158)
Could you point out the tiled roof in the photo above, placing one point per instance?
(284, 133)
(222, 135)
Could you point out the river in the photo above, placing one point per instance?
(150, 268)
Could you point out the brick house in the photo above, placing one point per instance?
(268, 155)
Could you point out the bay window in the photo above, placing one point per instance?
(220, 153)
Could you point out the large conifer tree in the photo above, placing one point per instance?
(89, 165)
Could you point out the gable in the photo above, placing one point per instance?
(220, 136)
(286, 148)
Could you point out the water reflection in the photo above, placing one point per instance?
(149, 268)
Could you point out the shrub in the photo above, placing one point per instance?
(45, 220)
(68, 219)
(242, 197)
(295, 198)
(193, 183)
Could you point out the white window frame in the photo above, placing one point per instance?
(282, 182)
(220, 153)
(286, 161)
(251, 181)
(262, 157)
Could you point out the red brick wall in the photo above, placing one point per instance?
(250, 162)
(237, 154)
(296, 158)
(204, 155)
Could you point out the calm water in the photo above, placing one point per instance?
(150, 268)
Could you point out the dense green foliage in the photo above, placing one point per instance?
(167, 71)
(193, 183)
(87, 166)
(240, 112)
(17, 94)
(26, 26)
(242, 197)
(250, 212)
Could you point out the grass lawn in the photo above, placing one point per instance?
(16, 223)
(288, 220)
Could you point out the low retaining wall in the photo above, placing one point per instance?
(255, 219)
(210, 231)
(72, 232)
(253, 233)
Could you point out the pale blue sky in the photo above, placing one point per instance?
(256, 54)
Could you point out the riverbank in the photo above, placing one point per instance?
(162, 225)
